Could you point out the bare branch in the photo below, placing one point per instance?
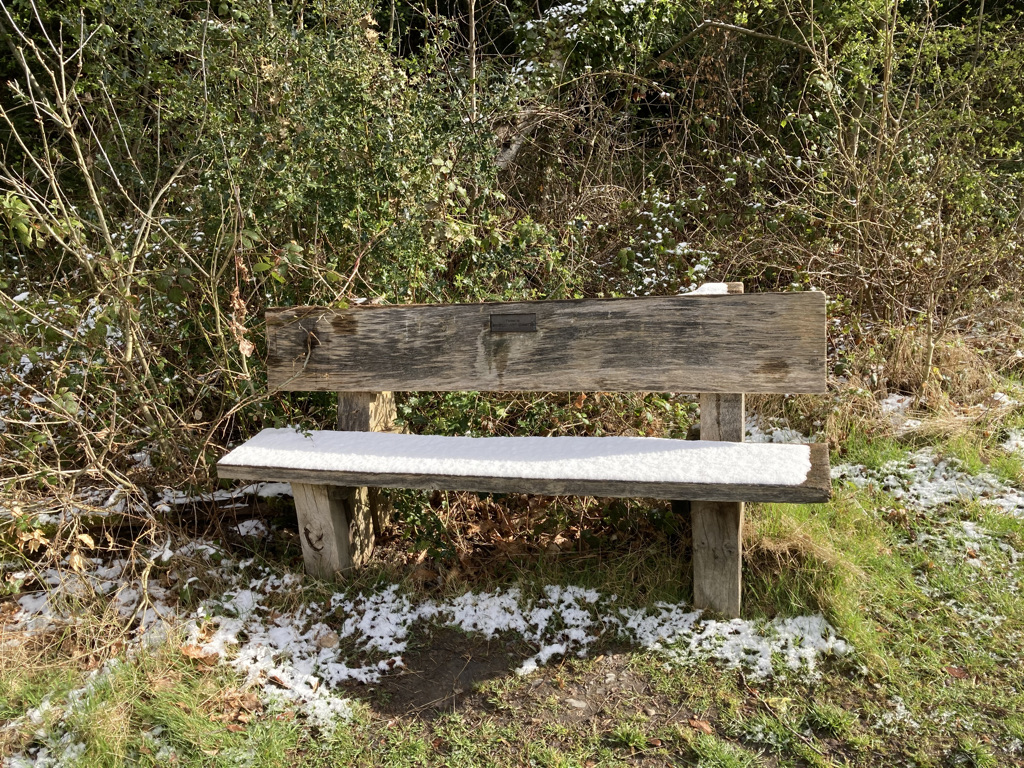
(709, 24)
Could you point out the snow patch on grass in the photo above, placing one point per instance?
(253, 528)
(761, 431)
(362, 637)
(60, 746)
(563, 621)
(170, 497)
(1014, 441)
(926, 480)
(297, 653)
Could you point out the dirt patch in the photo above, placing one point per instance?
(606, 687)
(443, 676)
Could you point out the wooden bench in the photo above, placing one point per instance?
(717, 345)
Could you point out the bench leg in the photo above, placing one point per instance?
(368, 412)
(359, 505)
(333, 537)
(717, 555)
(718, 525)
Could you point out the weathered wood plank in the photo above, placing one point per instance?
(358, 510)
(718, 525)
(816, 488)
(367, 412)
(772, 343)
(722, 417)
(717, 555)
(323, 530)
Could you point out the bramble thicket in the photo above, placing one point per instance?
(169, 170)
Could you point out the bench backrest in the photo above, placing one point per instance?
(768, 343)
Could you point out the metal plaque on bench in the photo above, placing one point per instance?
(525, 322)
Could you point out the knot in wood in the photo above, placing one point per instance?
(317, 542)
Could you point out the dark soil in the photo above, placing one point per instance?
(443, 676)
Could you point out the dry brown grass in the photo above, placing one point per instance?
(792, 549)
(951, 398)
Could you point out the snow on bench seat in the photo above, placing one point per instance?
(576, 466)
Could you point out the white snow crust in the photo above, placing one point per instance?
(253, 528)
(632, 459)
(296, 653)
(170, 496)
(759, 431)
(1014, 441)
(301, 650)
(926, 480)
(711, 289)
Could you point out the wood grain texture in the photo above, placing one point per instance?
(722, 417)
(323, 530)
(367, 412)
(718, 525)
(358, 509)
(816, 488)
(771, 343)
(717, 556)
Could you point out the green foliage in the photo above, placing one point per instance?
(206, 167)
(170, 171)
(17, 216)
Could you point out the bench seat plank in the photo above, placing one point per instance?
(552, 466)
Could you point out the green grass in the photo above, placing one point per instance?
(160, 701)
(712, 752)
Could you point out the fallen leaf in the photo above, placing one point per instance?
(33, 541)
(200, 654)
(76, 561)
(86, 539)
(701, 725)
(958, 672)
(278, 680)
(654, 742)
(234, 728)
